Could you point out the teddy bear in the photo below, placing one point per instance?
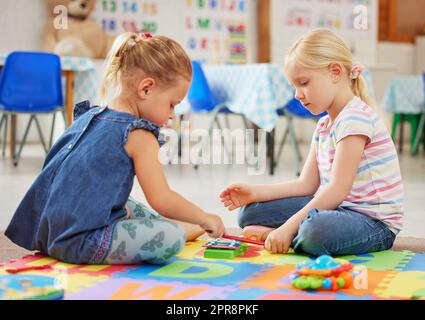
(69, 30)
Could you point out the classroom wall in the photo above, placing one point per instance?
(21, 28)
(401, 55)
(22, 21)
(420, 54)
(21, 24)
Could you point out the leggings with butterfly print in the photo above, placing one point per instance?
(144, 237)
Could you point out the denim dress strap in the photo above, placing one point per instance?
(147, 125)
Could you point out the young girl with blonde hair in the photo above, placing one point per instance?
(349, 197)
(78, 210)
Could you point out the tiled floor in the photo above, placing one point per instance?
(203, 186)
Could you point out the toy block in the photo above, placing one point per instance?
(225, 253)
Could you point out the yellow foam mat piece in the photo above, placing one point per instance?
(401, 284)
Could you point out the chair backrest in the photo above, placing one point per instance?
(296, 108)
(200, 95)
(31, 82)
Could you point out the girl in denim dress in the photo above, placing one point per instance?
(79, 209)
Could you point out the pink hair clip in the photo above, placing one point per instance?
(142, 36)
(146, 35)
(356, 70)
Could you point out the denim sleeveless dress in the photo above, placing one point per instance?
(71, 209)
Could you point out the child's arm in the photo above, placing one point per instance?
(143, 148)
(238, 195)
(347, 158)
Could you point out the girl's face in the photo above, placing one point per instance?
(316, 89)
(159, 101)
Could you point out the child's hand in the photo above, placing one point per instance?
(237, 195)
(213, 225)
(280, 239)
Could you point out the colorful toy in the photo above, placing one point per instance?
(323, 273)
(224, 249)
(222, 244)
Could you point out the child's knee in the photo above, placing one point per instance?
(179, 235)
(247, 214)
(146, 241)
(173, 243)
(242, 217)
(312, 236)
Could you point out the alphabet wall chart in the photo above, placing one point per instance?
(213, 31)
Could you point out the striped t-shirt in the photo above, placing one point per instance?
(377, 190)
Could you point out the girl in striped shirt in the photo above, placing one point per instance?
(349, 196)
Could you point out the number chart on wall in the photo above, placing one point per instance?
(218, 31)
(213, 31)
(117, 16)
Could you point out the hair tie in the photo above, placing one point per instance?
(131, 42)
(139, 37)
(356, 71)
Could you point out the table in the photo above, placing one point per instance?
(405, 98)
(254, 90)
(80, 83)
(405, 94)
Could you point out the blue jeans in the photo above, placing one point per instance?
(331, 232)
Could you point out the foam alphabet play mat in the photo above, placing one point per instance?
(254, 274)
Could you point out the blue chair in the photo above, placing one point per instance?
(420, 132)
(291, 109)
(202, 100)
(30, 83)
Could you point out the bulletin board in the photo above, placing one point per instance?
(212, 31)
(356, 21)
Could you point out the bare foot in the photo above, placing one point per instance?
(192, 231)
(256, 232)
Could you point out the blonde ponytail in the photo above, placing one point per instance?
(113, 63)
(359, 88)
